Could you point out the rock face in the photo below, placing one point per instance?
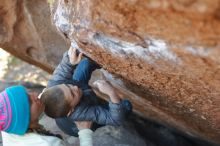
(166, 53)
(26, 31)
(113, 136)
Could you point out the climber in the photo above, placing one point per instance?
(68, 97)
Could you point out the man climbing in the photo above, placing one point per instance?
(68, 97)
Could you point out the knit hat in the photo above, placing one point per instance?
(14, 110)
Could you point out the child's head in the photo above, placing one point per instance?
(16, 102)
(60, 100)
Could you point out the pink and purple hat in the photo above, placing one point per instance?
(14, 110)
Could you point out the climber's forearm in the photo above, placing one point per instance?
(85, 137)
(114, 97)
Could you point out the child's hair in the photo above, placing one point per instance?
(55, 104)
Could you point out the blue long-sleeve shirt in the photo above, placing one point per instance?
(88, 108)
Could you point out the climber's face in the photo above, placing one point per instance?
(72, 94)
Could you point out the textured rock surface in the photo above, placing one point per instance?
(166, 53)
(26, 32)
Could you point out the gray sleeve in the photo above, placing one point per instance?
(114, 115)
(63, 71)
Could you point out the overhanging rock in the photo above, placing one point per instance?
(165, 52)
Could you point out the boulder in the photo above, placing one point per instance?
(162, 55)
(166, 53)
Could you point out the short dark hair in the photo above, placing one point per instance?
(55, 104)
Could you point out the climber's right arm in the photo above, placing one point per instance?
(65, 69)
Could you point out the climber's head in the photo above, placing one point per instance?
(20, 110)
(60, 100)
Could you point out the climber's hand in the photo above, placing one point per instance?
(73, 57)
(107, 88)
(83, 124)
